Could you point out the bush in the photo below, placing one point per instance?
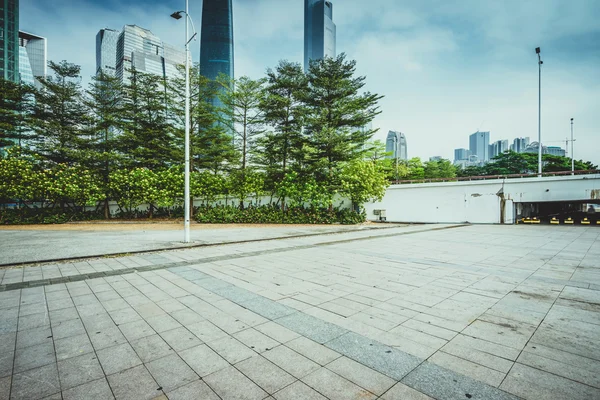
(25, 216)
(273, 214)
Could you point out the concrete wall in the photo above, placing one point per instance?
(479, 201)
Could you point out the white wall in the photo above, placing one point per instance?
(478, 201)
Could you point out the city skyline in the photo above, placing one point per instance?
(419, 55)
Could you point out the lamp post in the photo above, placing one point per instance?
(572, 151)
(540, 62)
(186, 191)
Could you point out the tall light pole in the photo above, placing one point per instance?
(572, 151)
(186, 191)
(540, 62)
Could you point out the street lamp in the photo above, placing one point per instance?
(186, 192)
(572, 151)
(540, 62)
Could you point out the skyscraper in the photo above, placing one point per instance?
(319, 31)
(140, 49)
(216, 40)
(106, 51)
(32, 58)
(519, 145)
(9, 40)
(461, 154)
(396, 144)
(498, 148)
(479, 144)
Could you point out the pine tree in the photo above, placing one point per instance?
(60, 116)
(147, 131)
(104, 100)
(337, 115)
(241, 113)
(211, 146)
(15, 113)
(284, 111)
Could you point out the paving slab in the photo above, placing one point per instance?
(404, 313)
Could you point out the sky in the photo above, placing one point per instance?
(446, 68)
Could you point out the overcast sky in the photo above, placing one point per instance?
(446, 68)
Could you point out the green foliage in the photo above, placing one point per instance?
(132, 188)
(64, 184)
(146, 140)
(363, 181)
(242, 114)
(60, 117)
(15, 113)
(336, 114)
(270, 214)
(18, 180)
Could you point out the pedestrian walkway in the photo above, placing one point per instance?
(445, 312)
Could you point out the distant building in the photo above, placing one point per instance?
(498, 148)
(32, 58)
(396, 145)
(9, 40)
(556, 151)
(534, 147)
(435, 158)
(461, 154)
(479, 143)
(136, 48)
(319, 31)
(519, 145)
(106, 51)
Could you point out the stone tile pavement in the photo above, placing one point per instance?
(481, 312)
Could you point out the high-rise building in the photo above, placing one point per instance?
(479, 143)
(139, 49)
(106, 51)
(396, 145)
(9, 40)
(216, 40)
(319, 31)
(32, 58)
(435, 158)
(461, 154)
(498, 148)
(519, 144)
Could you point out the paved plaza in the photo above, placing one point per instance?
(409, 312)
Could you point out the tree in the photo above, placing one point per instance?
(146, 140)
(61, 117)
(284, 111)
(416, 169)
(439, 169)
(242, 113)
(336, 116)
(363, 181)
(211, 147)
(104, 100)
(15, 113)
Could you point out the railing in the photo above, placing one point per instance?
(489, 177)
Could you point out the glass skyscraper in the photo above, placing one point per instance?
(138, 48)
(396, 144)
(106, 51)
(32, 58)
(319, 31)
(216, 40)
(9, 40)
